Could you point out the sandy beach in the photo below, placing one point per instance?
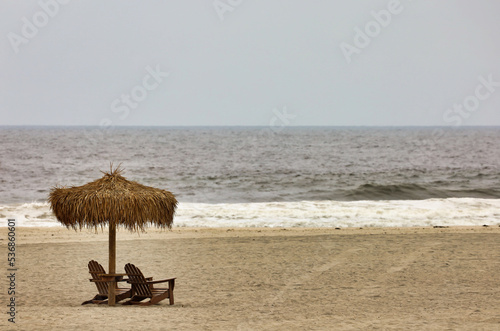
(265, 279)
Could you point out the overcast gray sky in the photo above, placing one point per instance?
(242, 62)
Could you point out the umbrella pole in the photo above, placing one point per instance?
(112, 262)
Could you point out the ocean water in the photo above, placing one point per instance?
(261, 176)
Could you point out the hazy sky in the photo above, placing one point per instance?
(242, 62)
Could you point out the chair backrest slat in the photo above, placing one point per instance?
(140, 286)
(95, 270)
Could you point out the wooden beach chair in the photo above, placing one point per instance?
(96, 270)
(142, 288)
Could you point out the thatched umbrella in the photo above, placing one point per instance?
(113, 200)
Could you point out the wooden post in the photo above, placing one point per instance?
(112, 262)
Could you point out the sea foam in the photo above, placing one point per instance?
(393, 213)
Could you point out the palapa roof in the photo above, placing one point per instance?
(113, 198)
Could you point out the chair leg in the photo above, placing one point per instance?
(171, 295)
(171, 284)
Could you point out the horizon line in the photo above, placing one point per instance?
(243, 126)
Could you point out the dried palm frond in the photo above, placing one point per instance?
(113, 198)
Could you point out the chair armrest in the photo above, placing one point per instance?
(148, 279)
(160, 281)
(152, 282)
(106, 281)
